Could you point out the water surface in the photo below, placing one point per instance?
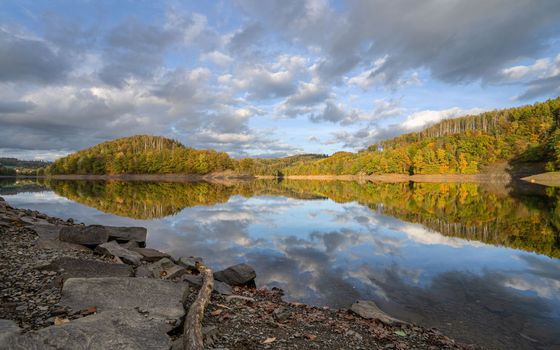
(481, 263)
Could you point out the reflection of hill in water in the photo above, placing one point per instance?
(11, 186)
(468, 211)
(530, 221)
(152, 200)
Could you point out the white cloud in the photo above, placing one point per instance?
(217, 57)
(541, 68)
(370, 76)
(419, 120)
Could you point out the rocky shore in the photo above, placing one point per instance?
(69, 286)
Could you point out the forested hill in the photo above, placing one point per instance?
(462, 145)
(142, 154)
(14, 166)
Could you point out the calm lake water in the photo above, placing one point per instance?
(479, 262)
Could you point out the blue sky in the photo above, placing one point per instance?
(263, 78)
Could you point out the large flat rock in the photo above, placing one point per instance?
(49, 238)
(116, 330)
(161, 300)
(85, 235)
(73, 267)
(126, 234)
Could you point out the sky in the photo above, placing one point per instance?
(263, 78)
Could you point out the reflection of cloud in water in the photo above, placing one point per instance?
(471, 306)
(343, 252)
(541, 277)
(306, 274)
(23, 198)
(420, 234)
(544, 288)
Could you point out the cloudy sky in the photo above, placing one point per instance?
(263, 78)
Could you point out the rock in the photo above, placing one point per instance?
(114, 249)
(369, 310)
(237, 275)
(149, 254)
(222, 288)
(161, 300)
(281, 314)
(126, 234)
(130, 245)
(49, 238)
(8, 328)
(143, 271)
(166, 269)
(190, 262)
(73, 267)
(117, 329)
(196, 281)
(34, 221)
(193, 280)
(85, 235)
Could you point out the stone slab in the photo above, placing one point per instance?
(126, 234)
(91, 235)
(73, 267)
(116, 330)
(160, 299)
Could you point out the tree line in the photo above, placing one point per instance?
(141, 154)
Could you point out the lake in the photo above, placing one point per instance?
(479, 262)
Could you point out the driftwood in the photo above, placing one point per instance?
(192, 333)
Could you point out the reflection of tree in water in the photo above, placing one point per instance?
(529, 222)
(11, 186)
(142, 200)
(152, 200)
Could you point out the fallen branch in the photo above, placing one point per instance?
(192, 333)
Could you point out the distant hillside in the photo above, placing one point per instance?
(455, 146)
(274, 166)
(14, 166)
(463, 145)
(141, 154)
(17, 163)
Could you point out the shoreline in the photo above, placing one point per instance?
(237, 316)
(390, 178)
